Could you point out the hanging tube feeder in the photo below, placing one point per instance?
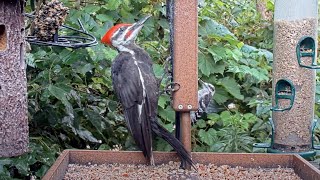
(295, 44)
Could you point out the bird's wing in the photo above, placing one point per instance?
(129, 89)
(204, 98)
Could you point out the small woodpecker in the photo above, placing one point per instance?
(137, 88)
(204, 98)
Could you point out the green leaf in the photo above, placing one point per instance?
(221, 96)
(96, 119)
(164, 23)
(62, 96)
(217, 52)
(57, 92)
(104, 147)
(232, 87)
(86, 135)
(163, 101)
(4, 162)
(162, 145)
(213, 118)
(30, 60)
(201, 123)
(225, 115)
(270, 5)
(103, 17)
(211, 27)
(86, 68)
(112, 5)
(209, 137)
(91, 9)
(42, 171)
(158, 70)
(206, 64)
(167, 114)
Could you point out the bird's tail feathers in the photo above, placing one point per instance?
(174, 142)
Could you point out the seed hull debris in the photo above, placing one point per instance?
(171, 171)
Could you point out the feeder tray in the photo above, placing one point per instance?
(247, 160)
(69, 41)
(306, 48)
(284, 90)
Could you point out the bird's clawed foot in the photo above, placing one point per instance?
(183, 165)
(167, 71)
(170, 88)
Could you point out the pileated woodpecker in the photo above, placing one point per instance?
(137, 88)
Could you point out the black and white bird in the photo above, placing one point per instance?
(137, 88)
(205, 95)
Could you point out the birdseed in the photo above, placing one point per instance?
(48, 19)
(171, 171)
(292, 128)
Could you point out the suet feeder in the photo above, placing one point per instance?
(47, 28)
(14, 131)
(295, 44)
(79, 38)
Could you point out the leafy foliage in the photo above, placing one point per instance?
(71, 100)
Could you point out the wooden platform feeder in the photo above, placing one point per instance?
(13, 83)
(247, 160)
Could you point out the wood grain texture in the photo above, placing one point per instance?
(13, 83)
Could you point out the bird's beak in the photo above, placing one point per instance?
(142, 21)
(135, 28)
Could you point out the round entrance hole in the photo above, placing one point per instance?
(3, 37)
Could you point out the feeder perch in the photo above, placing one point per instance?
(306, 47)
(284, 90)
(316, 147)
(269, 146)
(266, 145)
(14, 131)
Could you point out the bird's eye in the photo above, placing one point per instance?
(121, 29)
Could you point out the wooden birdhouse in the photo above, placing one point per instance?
(13, 83)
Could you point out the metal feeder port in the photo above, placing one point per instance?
(306, 47)
(284, 91)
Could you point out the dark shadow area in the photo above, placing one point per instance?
(3, 37)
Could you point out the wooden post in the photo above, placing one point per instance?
(13, 83)
(185, 65)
